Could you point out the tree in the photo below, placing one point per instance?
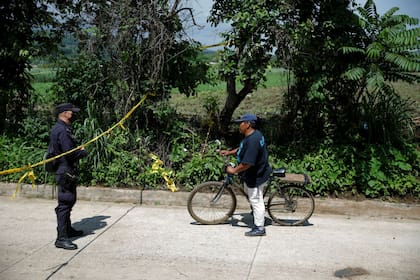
(319, 101)
(388, 52)
(305, 36)
(28, 30)
(141, 49)
(250, 43)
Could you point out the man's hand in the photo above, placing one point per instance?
(228, 152)
(230, 170)
(224, 152)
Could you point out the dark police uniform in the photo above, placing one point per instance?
(62, 140)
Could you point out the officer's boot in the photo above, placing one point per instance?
(63, 240)
(72, 232)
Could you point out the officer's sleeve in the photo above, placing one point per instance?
(67, 144)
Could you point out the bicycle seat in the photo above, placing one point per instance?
(280, 172)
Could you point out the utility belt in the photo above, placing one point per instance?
(68, 181)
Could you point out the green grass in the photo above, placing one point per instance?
(266, 100)
(42, 74)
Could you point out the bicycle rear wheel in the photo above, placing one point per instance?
(210, 204)
(291, 205)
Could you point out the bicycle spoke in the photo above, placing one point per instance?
(210, 204)
(291, 206)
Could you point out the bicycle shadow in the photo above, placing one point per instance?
(90, 225)
(247, 220)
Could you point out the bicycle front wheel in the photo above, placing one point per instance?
(209, 203)
(291, 206)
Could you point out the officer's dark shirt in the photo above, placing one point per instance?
(62, 140)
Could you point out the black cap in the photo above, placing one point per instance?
(66, 107)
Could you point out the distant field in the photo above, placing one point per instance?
(266, 99)
(42, 74)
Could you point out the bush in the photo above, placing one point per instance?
(373, 171)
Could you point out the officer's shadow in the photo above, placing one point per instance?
(90, 225)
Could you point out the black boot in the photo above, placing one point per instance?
(63, 241)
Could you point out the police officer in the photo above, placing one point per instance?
(66, 175)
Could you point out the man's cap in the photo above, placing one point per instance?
(246, 118)
(66, 107)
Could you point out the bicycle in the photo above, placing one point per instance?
(289, 203)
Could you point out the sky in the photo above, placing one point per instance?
(209, 35)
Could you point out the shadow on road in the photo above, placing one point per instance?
(247, 220)
(90, 225)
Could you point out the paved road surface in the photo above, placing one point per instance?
(129, 241)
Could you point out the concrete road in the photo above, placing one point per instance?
(130, 241)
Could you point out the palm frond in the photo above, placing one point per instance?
(370, 8)
(374, 50)
(403, 62)
(409, 38)
(390, 12)
(354, 74)
(375, 79)
(351, 50)
(403, 76)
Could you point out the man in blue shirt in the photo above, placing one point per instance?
(252, 157)
(66, 176)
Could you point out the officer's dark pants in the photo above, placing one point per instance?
(66, 196)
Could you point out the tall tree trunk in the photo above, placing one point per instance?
(233, 100)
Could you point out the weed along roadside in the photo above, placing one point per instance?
(323, 206)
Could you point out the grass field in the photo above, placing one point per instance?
(266, 99)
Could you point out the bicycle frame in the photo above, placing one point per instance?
(288, 203)
(229, 182)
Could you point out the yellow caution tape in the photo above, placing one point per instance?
(30, 174)
(213, 46)
(157, 167)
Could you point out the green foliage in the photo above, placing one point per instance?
(333, 93)
(17, 152)
(388, 53)
(332, 170)
(114, 163)
(388, 117)
(248, 54)
(30, 29)
(188, 70)
(43, 75)
(386, 171)
(200, 167)
(373, 171)
(319, 102)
